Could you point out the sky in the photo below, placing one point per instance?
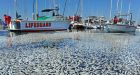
(87, 7)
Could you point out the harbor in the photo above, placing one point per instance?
(69, 37)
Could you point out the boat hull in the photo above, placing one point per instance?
(120, 28)
(36, 26)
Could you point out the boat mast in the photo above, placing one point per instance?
(130, 18)
(56, 7)
(81, 5)
(110, 9)
(65, 6)
(118, 6)
(129, 12)
(33, 14)
(15, 1)
(36, 9)
(121, 7)
(9, 11)
(129, 9)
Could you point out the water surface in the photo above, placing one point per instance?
(60, 53)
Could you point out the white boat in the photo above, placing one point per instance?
(95, 22)
(53, 24)
(120, 28)
(56, 22)
(123, 25)
(138, 26)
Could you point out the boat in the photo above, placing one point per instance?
(77, 19)
(121, 22)
(120, 28)
(55, 22)
(94, 22)
(76, 22)
(138, 26)
(123, 25)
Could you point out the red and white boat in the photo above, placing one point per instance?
(56, 22)
(37, 25)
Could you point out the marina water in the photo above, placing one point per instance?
(70, 53)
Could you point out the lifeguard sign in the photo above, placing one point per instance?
(37, 24)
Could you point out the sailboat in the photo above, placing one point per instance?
(76, 20)
(122, 25)
(56, 22)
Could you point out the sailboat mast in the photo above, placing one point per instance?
(129, 8)
(33, 14)
(118, 6)
(111, 10)
(36, 9)
(15, 1)
(121, 7)
(81, 5)
(8, 9)
(54, 3)
(56, 7)
(65, 6)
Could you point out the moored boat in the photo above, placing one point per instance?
(55, 22)
(120, 28)
(122, 25)
(95, 22)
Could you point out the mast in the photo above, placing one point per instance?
(129, 8)
(36, 9)
(9, 10)
(118, 6)
(56, 7)
(111, 9)
(65, 6)
(121, 7)
(33, 14)
(130, 18)
(54, 3)
(15, 1)
(81, 9)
